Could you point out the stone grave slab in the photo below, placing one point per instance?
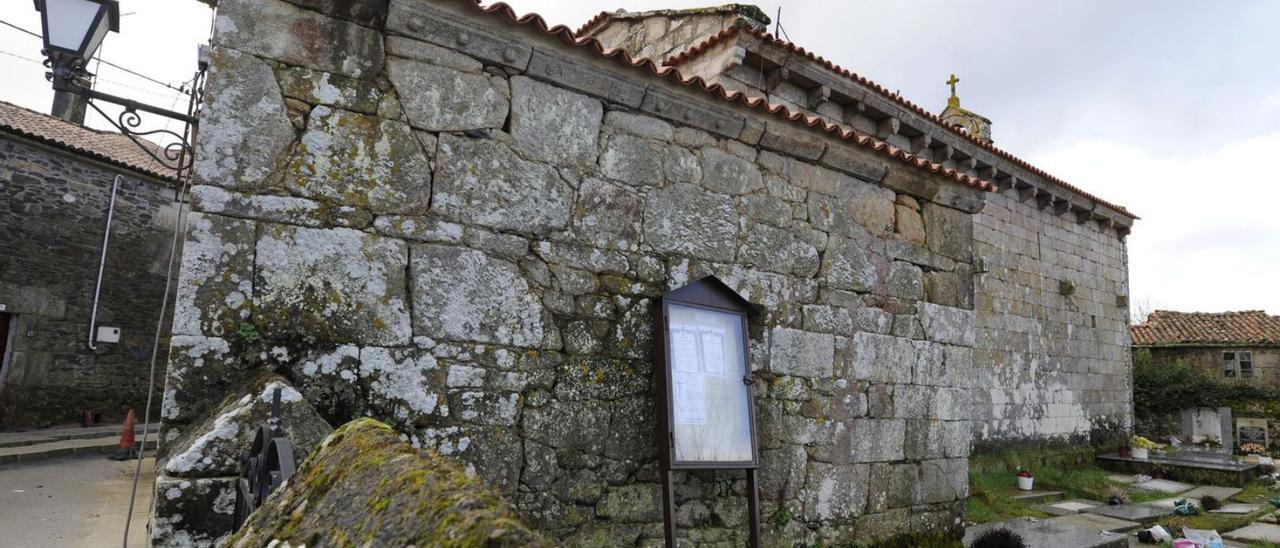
(1095, 522)
(1032, 497)
(1164, 486)
(1215, 491)
(1051, 533)
(1123, 478)
(1068, 507)
(1141, 513)
(1258, 532)
(1237, 508)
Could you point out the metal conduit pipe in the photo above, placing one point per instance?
(102, 261)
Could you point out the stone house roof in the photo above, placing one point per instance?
(1167, 328)
(112, 148)
(814, 123)
(602, 21)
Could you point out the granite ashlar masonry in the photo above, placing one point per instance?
(1052, 319)
(1053, 365)
(54, 213)
(460, 226)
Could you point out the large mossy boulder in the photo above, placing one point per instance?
(364, 486)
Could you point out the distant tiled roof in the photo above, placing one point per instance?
(1249, 327)
(112, 148)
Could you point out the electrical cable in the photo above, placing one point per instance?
(105, 62)
(24, 58)
(155, 348)
(185, 177)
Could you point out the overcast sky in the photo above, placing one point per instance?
(1170, 108)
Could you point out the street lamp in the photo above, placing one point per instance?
(75, 28)
(73, 31)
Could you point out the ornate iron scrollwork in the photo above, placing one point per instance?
(177, 155)
(68, 75)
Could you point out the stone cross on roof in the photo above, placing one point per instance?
(953, 100)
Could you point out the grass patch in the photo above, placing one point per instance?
(1252, 494)
(1070, 470)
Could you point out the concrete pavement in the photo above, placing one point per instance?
(77, 502)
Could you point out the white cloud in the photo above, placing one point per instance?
(1209, 237)
(1271, 102)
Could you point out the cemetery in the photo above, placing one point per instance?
(1200, 461)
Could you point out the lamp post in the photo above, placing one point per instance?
(73, 31)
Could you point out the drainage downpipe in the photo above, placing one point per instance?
(106, 238)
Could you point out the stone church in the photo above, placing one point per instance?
(457, 219)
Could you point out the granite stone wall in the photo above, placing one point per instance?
(1052, 326)
(52, 219)
(460, 226)
(1051, 366)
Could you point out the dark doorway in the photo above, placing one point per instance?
(5, 321)
(4, 342)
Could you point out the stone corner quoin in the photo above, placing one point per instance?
(461, 227)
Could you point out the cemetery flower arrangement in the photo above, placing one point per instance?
(1023, 473)
(1140, 442)
(1252, 448)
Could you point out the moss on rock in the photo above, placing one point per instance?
(365, 486)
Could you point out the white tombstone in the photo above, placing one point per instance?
(1205, 423)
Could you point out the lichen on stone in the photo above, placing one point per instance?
(365, 486)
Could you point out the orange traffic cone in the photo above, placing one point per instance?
(125, 452)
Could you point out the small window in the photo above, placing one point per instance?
(1246, 365)
(1229, 365)
(1228, 356)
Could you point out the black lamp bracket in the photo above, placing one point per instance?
(67, 73)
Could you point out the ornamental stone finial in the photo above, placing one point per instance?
(971, 123)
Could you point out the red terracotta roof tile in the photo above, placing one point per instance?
(797, 50)
(567, 36)
(1249, 327)
(112, 148)
(592, 22)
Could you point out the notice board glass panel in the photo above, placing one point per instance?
(710, 404)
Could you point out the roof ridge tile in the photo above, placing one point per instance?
(569, 37)
(897, 97)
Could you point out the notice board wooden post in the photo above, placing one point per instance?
(704, 396)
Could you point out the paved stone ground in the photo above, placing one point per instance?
(1095, 522)
(1051, 533)
(1166, 486)
(1261, 532)
(1068, 507)
(73, 502)
(1141, 513)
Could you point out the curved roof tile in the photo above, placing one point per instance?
(112, 148)
(1248, 327)
(898, 98)
(568, 37)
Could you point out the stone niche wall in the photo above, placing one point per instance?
(1054, 364)
(461, 227)
(54, 214)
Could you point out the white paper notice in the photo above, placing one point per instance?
(684, 350)
(690, 398)
(713, 351)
